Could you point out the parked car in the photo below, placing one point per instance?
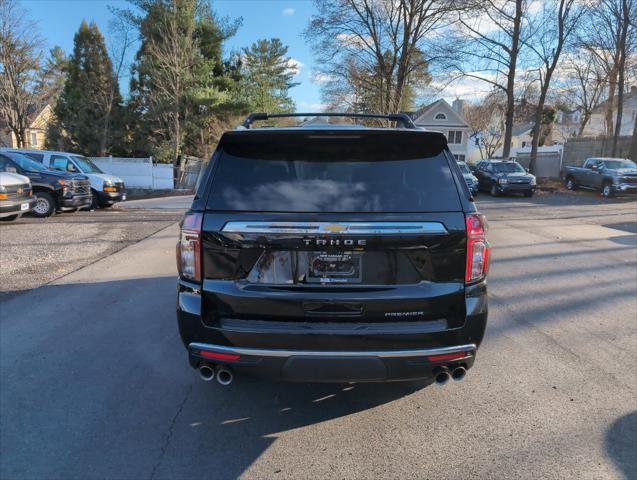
(469, 177)
(332, 253)
(54, 191)
(16, 196)
(504, 176)
(106, 189)
(611, 176)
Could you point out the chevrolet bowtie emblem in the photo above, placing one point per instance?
(334, 228)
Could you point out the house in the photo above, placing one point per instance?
(522, 135)
(596, 125)
(567, 124)
(38, 122)
(448, 119)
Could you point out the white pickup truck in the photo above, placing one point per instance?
(16, 196)
(106, 189)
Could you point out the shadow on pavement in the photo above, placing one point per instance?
(103, 389)
(228, 428)
(621, 445)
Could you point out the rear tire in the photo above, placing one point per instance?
(494, 190)
(607, 190)
(10, 218)
(570, 183)
(44, 205)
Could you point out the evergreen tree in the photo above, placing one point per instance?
(179, 84)
(53, 76)
(89, 109)
(268, 76)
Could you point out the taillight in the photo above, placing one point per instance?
(478, 248)
(189, 247)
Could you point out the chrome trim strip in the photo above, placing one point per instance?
(336, 228)
(313, 353)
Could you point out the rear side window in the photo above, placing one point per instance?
(337, 182)
(38, 157)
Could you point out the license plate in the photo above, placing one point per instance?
(24, 206)
(341, 267)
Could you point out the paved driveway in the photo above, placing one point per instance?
(95, 382)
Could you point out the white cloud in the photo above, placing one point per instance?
(312, 107)
(295, 66)
(351, 40)
(288, 12)
(319, 77)
(470, 89)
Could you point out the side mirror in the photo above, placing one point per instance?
(595, 168)
(527, 170)
(11, 170)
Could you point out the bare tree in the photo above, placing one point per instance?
(123, 37)
(170, 56)
(626, 11)
(606, 33)
(20, 55)
(382, 41)
(488, 42)
(553, 27)
(586, 83)
(486, 123)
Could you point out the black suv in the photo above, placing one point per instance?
(504, 176)
(332, 253)
(54, 191)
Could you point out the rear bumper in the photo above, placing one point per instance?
(308, 350)
(335, 366)
(14, 207)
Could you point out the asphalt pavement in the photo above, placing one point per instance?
(95, 382)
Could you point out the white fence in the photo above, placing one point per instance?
(138, 172)
(548, 162)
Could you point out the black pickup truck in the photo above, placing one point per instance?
(54, 191)
(611, 176)
(332, 253)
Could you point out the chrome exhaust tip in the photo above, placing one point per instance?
(442, 376)
(458, 373)
(224, 376)
(206, 372)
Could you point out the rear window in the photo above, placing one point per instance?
(336, 182)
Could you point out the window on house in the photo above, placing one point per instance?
(459, 157)
(441, 116)
(34, 139)
(454, 136)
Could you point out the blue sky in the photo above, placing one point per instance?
(58, 20)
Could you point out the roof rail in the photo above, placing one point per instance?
(397, 117)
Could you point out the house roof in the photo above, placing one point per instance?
(454, 119)
(33, 112)
(522, 128)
